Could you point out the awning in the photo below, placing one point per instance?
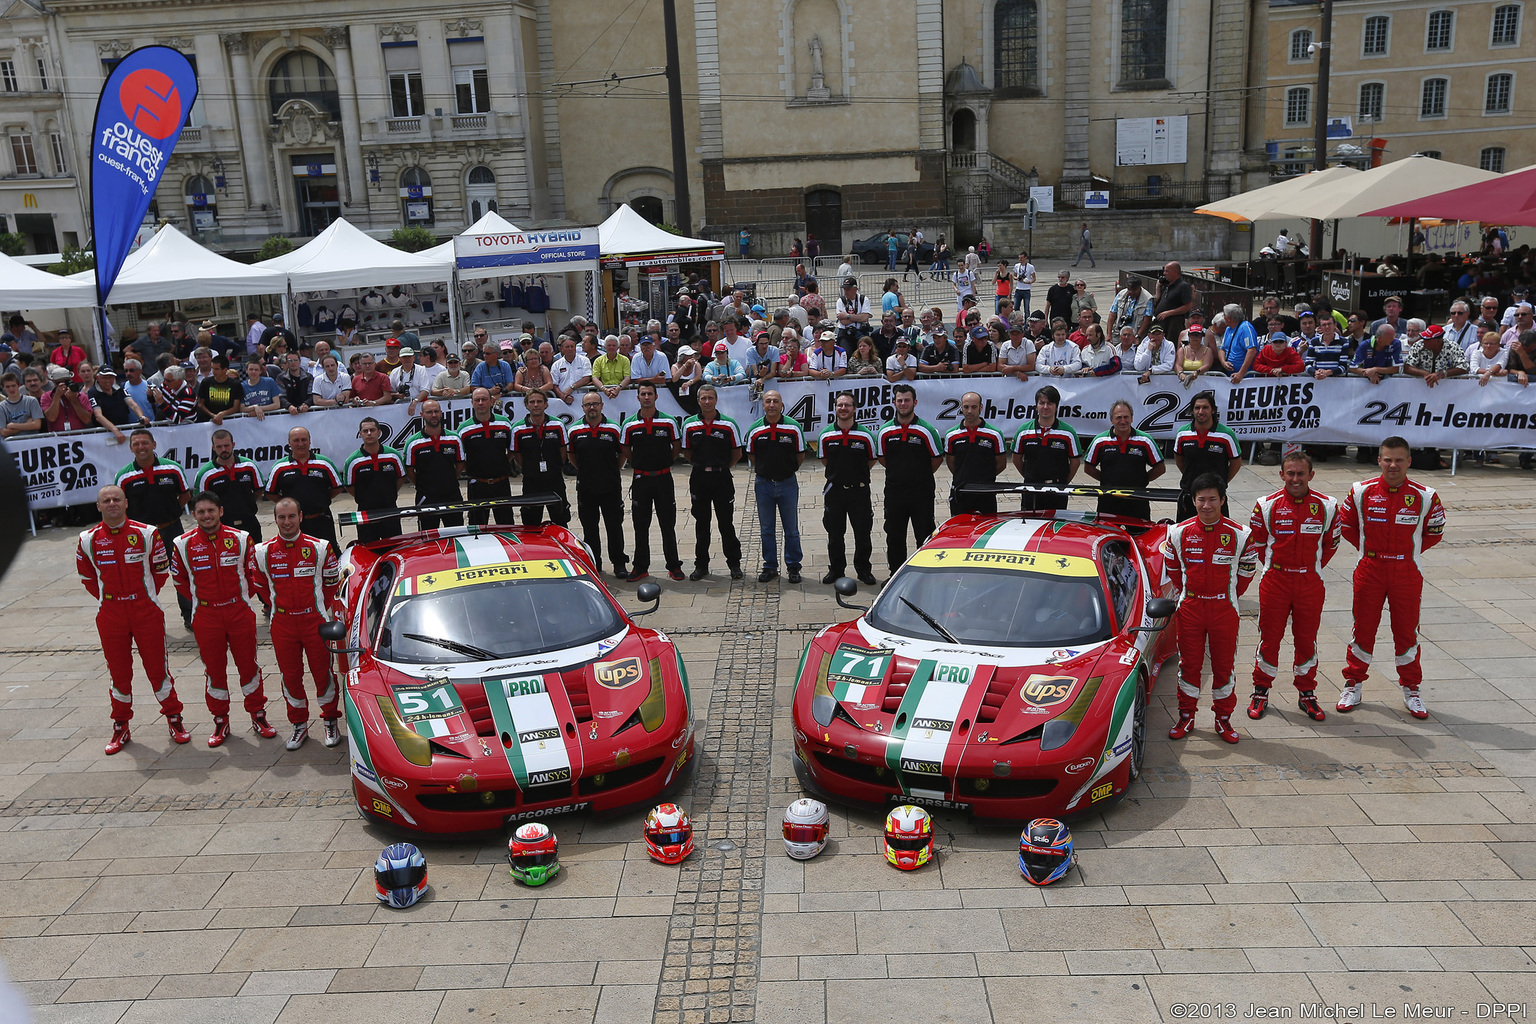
(627, 239)
(342, 256)
(24, 287)
(1508, 199)
(172, 266)
(1401, 181)
(1262, 203)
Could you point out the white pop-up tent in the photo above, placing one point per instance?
(172, 266)
(342, 256)
(24, 287)
(628, 239)
(491, 224)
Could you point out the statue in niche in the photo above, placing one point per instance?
(818, 89)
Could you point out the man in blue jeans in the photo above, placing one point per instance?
(776, 448)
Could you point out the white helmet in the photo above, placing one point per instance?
(805, 828)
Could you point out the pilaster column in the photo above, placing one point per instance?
(351, 128)
(1078, 66)
(258, 185)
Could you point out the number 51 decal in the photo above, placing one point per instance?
(418, 703)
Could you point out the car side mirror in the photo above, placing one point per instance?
(1162, 608)
(334, 633)
(846, 587)
(651, 593)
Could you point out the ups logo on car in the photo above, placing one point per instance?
(616, 675)
(1043, 691)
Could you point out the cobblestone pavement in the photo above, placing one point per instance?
(1372, 859)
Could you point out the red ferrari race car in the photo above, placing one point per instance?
(492, 678)
(1003, 671)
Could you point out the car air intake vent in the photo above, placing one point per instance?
(576, 683)
(997, 692)
(894, 691)
(472, 696)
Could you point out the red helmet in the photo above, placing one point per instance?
(908, 839)
(668, 834)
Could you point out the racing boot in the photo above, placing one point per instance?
(220, 731)
(699, 572)
(1259, 703)
(1225, 731)
(1183, 727)
(332, 732)
(1350, 698)
(300, 734)
(1307, 701)
(262, 726)
(1414, 703)
(178, 730)
(736, 573)
(119, 738)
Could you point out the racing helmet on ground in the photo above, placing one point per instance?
(805, 828)
(1045, 851)
(668, 834)
(400, 875)
(908, 839)
(534, 853)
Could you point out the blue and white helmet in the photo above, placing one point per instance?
(400, 875)
(1045, 851)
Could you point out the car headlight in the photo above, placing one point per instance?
(653, 710)
(823, 704)
(413, 746)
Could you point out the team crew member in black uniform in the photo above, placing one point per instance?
(156, 490)
(374, 475)
(538, 446)
(487, 442)
(651, 443)
(776, 448)
(846, 450)
(1046, 451)
(597, 455)
(1204, 446)
(910, 450)
(714, 444)
(236, 482)
(1123, 456)
(311, 480)
(976, 453)
(432, 457)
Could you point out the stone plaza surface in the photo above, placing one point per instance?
(1363, 863)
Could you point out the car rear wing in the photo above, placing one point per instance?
(380, 515)
(1073, 490)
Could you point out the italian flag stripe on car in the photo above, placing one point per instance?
(926, 721)
(528, 730)
(484, 550)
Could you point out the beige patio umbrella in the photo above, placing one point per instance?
(1397, 182)
(1261, 203)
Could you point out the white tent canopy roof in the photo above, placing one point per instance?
(341, 256)
(626, 233)
(172, 266)
(1403, 180)
(1270, 201)
(491, 224)
(24, 287)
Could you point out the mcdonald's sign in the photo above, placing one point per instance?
(28, 201)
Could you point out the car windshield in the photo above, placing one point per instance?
(505, 619)
(995, 607)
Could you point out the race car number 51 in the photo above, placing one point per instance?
(419, 702)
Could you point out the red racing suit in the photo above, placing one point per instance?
(124, 569)
(1211, 566)
(299, 578)
(214, 572)
(1300, 536)
(1392, 527)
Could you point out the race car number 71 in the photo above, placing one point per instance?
(868, 665)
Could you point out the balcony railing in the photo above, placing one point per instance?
(403, 125)
(468, 122)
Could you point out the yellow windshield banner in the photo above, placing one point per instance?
(469, 576)
(993, 558)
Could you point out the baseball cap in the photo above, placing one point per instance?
(453, 357)
(979, 333)
(826, 336)
(525, 337)
(1196, 329)
(5, 350)
(1036, 315)
(1155, 329)
(106, 371)
(392, 343)
(758, 308)
(1015, 328)
(849, 282)
(407, 351)
(507, 345)
(1432, 331)
(686, 350)
(277, 318)
(646, 339)
(903, 341)
(721, 346)
(1280, 336)
(58, 373)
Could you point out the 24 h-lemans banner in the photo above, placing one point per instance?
(67, 469)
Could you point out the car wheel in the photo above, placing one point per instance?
(1138, 730)
(869, 259)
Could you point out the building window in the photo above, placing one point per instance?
(1016, 44)
(1301, 46)
(1496, 96)
(480, 192)
(8, 76)
(1433, 154)
(303, 76)
(202, 204)
(1491, 159)
(42, 73)
(1376, 31)
(1298, 105)
(1506, 25)
(402, 63)
(1432, 97)
(1144, 43)
(1373, 97)
(1437, 34)
(471, 81)
(416, 197)
(23, 155)
(60, 154)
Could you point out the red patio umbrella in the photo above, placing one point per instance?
(1507, 199)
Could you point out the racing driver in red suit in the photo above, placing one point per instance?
(123, 565)
(1207, 558)
(212, 565)
(1393, 521)
(298, 574)
(1299, 530)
